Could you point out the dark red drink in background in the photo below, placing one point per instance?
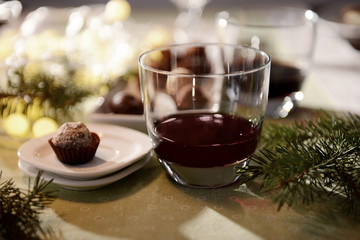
(205, 140)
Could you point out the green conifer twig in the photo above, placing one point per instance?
(20, 210)
(318, 157)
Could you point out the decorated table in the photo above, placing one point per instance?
(146, 204)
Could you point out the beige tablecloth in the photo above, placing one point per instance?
(147, 205)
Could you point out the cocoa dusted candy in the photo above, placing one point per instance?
(74, 144)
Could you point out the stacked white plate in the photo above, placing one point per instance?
(121, 152)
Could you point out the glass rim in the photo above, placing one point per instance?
(309, 16)
(214, 75)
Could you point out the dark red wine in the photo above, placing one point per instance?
(284, 79)
(205, 140)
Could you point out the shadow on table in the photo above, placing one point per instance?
(117, 190)
(330, 219)
(250, 212)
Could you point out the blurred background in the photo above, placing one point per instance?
(211, 6)
(163, 4)
(62, 62)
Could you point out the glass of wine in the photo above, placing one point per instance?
(287, 35)
(204, 108)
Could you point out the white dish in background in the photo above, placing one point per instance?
(133, 121)
(119, 147)
(84, 184)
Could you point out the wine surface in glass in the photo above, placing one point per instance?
(205, 140)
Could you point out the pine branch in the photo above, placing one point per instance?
(19, 210)
(316, 158)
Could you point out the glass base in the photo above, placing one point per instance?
(203, 177)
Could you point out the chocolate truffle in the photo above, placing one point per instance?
(74, 144)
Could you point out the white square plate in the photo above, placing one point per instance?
(118, 148)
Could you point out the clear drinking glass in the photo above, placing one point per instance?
(204, 107)
(287, 35)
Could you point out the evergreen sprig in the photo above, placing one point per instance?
(318, 157)
(19, 210)
(61, 92)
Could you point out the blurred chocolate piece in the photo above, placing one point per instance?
(174, 83)
(125, 103)
(190, 97)
(195, 60)
(162, 62)
(351, 15)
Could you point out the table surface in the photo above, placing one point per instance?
(147, 205)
